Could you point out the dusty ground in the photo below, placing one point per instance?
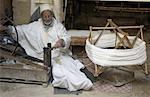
(141, 86)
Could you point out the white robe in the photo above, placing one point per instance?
(66, 70)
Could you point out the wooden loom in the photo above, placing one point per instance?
(26, 68)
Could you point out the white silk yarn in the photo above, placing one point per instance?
(100, 55)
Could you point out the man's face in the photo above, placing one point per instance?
(47, 17)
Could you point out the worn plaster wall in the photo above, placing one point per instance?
(21, 11)
(57, 7)
(4, 4)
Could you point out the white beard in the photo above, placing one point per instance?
(47, 23)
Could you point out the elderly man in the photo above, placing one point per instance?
(34, 37)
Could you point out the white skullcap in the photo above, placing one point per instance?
(45, 6)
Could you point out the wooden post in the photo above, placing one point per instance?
(142, 37)
(98, 70)
(116, 46)
(113, 24)
(47, 57)
(133, 43)
(96, 74)
(101, 33)
(90, 35)
(50, 73)
(146, 68)
(121, 31)
(121, 41)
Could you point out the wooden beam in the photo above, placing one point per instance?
(121, 27)
(133, 43)
(137, 10)
(142, 36)
(114, 25)
(22, 60)
(101, 33)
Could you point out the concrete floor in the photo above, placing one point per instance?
(141, 87)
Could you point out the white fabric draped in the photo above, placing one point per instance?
(66, 71)
(33, 37)
(100, 55)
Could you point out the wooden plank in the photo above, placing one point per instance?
(121, 27)
(25, 74)
(22, 60)
(137, 10)
(18, 52)
(10, 80)
(78, 41)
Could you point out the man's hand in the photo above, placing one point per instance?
(59, 43)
